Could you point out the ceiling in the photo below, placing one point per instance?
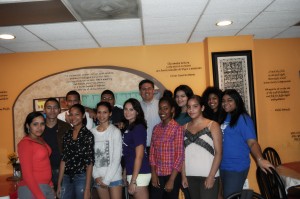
(49, 25)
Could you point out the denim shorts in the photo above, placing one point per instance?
(111, 184)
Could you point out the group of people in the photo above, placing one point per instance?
(155, 146)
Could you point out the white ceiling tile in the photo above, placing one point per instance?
(171, 8)
(4, 50)
(33, 46)
(171, 38)
(275, 19)
(22, 35)
(239, 6)
(292, 32)
(261, 33)
(200, 35)
(169, 25)
(74, 44)
(162, 22)
(284, 5)
(59, 31)
(110, 32)
(208, 22)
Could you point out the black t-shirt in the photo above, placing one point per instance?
(50, 136)
(117, 115)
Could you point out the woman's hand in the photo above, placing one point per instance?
(184, 182)
(265, 165)
(209, 182)
(52, 189)
(58, 192)
(132, 188)
(100, 183)
(169, 185)
(155, 180)
(87, 193)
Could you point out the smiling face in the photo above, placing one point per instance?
(103, 114)
(76, 116)
(36, 127)
(129, 112)
(228, 104)
(165, 111)
(147, 92)
(181, 98)
(213, 102)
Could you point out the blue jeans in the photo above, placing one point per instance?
(25, 193)
(233, 181)
(74, 189)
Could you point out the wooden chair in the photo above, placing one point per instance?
(245, 194)
(271, 154)
(270, 184)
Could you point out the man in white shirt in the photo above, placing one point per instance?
(150, 107)
(73, 97)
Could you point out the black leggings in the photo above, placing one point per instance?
(198, 191)
(160, 193)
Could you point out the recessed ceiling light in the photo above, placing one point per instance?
(7, 36)
(224, 23)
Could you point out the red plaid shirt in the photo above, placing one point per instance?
(167, 150)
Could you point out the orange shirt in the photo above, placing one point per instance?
(35, 165)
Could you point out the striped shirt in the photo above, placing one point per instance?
(167, 149)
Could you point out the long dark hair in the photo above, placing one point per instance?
(140, 117)
(82, 110)
(30, 118)
(169, 100)
(188, 92)
(239, 110)
(106, 104)
(208, 112)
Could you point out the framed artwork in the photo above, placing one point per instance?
(38, 104)
(233, 70)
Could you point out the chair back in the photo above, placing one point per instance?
(271, 154)
(270, 184)
(245, 194)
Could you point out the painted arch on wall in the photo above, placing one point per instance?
(88, 81)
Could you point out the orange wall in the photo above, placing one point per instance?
(274, 128)
(21, 69)
(278, 120)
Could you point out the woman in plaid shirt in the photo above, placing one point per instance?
(166, 153)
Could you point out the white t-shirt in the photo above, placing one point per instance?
(89, 124)
(108, 152)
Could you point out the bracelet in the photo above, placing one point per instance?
(133, 182)
(259, 159)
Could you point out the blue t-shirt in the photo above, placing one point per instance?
(235, 148)
(183, 118)
(131, 139)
